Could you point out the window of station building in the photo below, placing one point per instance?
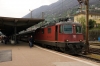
(49, 30)
(42, 31)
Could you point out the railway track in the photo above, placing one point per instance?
(95, 51)
(94, 55)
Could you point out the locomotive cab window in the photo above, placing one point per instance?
(67, 28)
(78, 29)
(61, 29)
(49, 30)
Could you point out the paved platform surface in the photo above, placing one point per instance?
(5, 55)
(23, 55)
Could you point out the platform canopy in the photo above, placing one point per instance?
(8, 24)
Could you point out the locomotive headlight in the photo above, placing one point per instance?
(67, 40)
(80, 40)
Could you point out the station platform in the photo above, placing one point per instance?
(22, 55)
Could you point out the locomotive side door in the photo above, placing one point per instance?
(56, 33)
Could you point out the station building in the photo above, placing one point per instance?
(92, 15)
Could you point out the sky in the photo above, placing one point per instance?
(19, 8)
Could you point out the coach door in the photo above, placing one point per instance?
(56, 33)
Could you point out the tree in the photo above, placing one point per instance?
(82, 21)
(91, 23)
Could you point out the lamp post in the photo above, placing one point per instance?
(31, 12)
(42, 15)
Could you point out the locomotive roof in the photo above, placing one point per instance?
(62, 22)
(68, 22)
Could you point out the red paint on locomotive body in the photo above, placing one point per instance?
(65, 35)
(70, 37)
(42, 34)
(50, 33)
(73, 37)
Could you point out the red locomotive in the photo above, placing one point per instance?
(65, 35)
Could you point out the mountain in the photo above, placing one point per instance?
(61, 8)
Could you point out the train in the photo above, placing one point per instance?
(65, 35)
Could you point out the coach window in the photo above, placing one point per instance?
(42, 31)
(49, 30)
(60, 29)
